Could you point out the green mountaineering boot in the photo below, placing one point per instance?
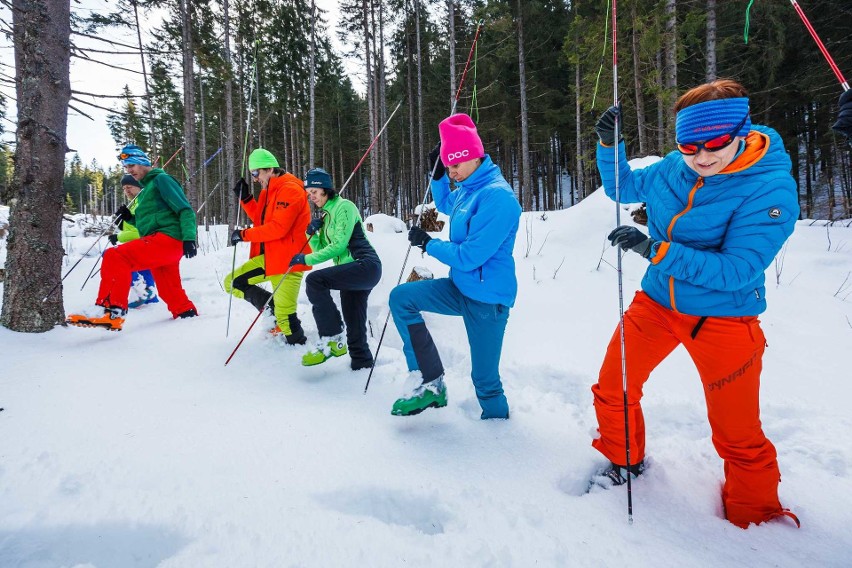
(428, 395)
(325, 349)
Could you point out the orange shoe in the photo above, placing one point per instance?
(276, 331)
(108, 318)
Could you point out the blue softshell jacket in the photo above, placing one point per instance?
(718, 234)
(484, 216)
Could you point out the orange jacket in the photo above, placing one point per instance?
(280, 216)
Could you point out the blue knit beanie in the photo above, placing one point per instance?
(318, 177)
(133, 154)
(703, 121)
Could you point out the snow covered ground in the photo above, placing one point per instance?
(141, 449)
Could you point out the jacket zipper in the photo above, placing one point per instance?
(699, 183)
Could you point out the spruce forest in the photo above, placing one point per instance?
(540, 75)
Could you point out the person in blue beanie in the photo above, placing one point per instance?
(484, 217)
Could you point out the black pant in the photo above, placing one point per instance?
(355, 280)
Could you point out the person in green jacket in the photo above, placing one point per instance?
(338, 235)
(142, 290)
(167, 231)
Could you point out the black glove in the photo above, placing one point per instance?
(632, 238)
(314, 225)
(419, 238)
(122, 214)
(236, 236)
(189, 249)
(113, 239)
(605, 126)
(844, 116)
(435, 157)
(242, 190)
(297, 259)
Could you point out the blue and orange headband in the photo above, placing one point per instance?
(707, 120)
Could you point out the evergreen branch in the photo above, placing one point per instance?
(112, 42)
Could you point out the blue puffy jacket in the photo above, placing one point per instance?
(719, 234)
(484, 216)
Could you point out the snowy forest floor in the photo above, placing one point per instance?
(141, 449)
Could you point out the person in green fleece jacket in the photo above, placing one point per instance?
(338, 235)
(167, 232)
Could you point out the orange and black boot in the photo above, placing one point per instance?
(108, 318)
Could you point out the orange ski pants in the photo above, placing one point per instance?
(728, 353)
(158, 252)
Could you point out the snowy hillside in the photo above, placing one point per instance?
(141, 449)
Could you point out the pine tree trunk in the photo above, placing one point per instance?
(711, 40)
(416, 175)
(152, 135)
(579, 175)
(451, 9)
(526, 179)
(671, 71)
(420, 165)
(371, 106)
(41, 31)
(229, 122)
(638, 87)
(312, 84)
(383, 116)
(189, 139)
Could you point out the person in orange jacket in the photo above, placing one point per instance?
(280, 216)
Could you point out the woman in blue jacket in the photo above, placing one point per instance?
(719, 210)
(484, 216)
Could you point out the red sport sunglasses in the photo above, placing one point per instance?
(712, 145)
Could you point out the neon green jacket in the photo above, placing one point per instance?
(129, 232)
(342, 237)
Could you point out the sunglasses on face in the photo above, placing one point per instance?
(255, 173)
(712, 145)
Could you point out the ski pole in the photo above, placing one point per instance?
(242, 173)
(112, 224)
(204, 165)
(425, 197)
(342, 189)
(92, 271)
(169, 161)
(822, 48)
(619, 268)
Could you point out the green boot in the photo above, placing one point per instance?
(428, 395)
(325, 349)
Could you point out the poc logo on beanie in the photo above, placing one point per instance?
(459, 140)
(457, 155)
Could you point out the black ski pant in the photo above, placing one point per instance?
(355, 280)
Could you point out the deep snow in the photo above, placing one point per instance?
(140, 448)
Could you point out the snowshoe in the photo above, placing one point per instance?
(190, 313)
(111, 319)
(432, 394)
(325, 349)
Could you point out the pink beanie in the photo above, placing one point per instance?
(459, 140)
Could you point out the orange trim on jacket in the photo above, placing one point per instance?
(280, 216)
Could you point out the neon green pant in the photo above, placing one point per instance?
(243, 283)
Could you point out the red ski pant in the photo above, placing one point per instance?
(728, 353)
(158, 252)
